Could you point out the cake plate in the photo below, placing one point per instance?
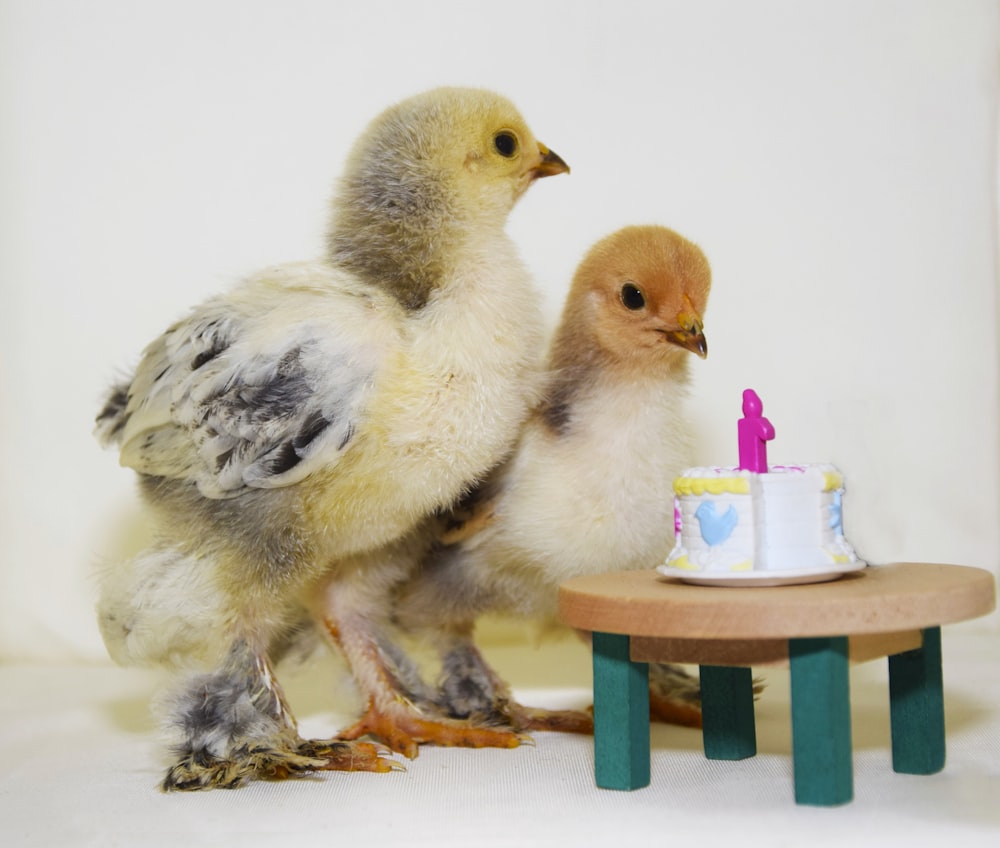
(790, 577)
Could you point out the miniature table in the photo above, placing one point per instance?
(896, 610)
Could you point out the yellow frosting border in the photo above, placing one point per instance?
(685, 564)
(697, 486)
(713, 485)
(832, 480)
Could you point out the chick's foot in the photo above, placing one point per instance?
(674, 696)
(403, 730)
(558, 721)
(473, 690)
(673, 712)
(199, 770)
(235, 726)
(340, 755)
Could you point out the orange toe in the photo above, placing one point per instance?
(340, 755)
(401, 729)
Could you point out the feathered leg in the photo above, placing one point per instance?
(235, 726)
(471, 689)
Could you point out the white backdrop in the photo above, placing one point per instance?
(837, 161)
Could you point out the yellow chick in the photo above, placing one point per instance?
(291, 432)
(589, 487)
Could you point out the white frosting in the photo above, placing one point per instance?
(733, 520)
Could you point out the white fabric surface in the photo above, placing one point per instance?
(82, 762)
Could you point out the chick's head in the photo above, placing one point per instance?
(496, 156)
(477, 143)
(643, 291)
(461, 146)
(429, 172)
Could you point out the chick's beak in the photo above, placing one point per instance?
(549, 165)
(690, 336)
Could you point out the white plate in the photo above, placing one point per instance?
(762, 578)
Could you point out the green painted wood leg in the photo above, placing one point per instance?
(621, 715)
(916, 707)
(728, 731)
(821, 721)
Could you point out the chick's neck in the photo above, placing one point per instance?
(399, 234)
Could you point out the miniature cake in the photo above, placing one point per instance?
(729, 519)
(752, 518)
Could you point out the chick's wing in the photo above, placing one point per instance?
(225, 401)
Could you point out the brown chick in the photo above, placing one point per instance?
(588, 488)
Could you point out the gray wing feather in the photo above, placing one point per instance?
(211, 403)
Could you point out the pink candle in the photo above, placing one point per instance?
(754, 433)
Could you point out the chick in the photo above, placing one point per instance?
(291, 432)
(588, 488)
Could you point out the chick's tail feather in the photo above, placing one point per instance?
(159, 608)
(113, 417)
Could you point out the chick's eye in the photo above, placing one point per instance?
(632, 297)
(505, 143)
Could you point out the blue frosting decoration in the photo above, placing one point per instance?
(715, 528)
(837, 514)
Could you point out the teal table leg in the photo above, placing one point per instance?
(728, 730)
(916, 708)
(621, 715)
(821, 721)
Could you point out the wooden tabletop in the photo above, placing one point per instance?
(877, 599)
